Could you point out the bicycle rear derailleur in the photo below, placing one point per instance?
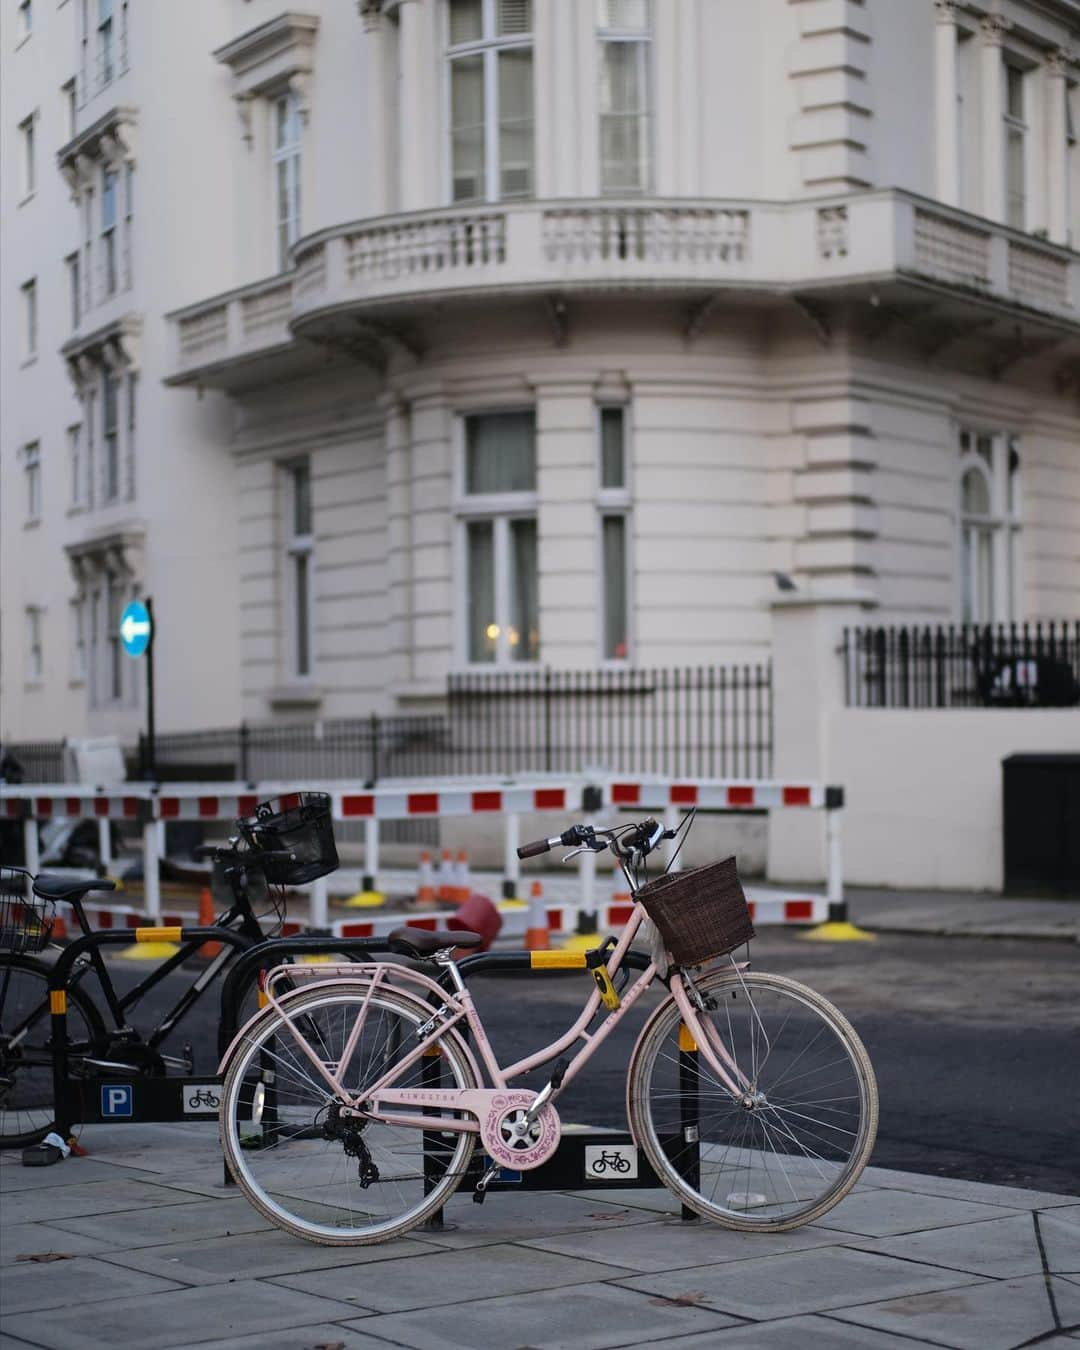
(350, 1137)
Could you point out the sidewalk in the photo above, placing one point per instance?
(956, 914)
(141, 1245)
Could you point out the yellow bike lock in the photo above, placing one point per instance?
(596, 960)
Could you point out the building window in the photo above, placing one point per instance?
(990, 521)
(26, 19)
(613, 502)
(71, 105)
(129, 216)
(114, 592)
(498, 511)
(30, 324)
(28, 167)
(132, 387)
(1015, 148)
(108, 232)
(88, 245)
(76, 467)
(93, 668)
(286, 116)
(105, 44)
(89, 421)
(35, 656)
(300, 562)
(78, 640)
(32, 470)
(110, 438)
(490, 73)
(624, 36)
(74, 272)
(1072, 164)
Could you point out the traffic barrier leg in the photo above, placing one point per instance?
(838, 927)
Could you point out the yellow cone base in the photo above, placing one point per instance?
(838, 932)
(513, 903)
(365, 900)
(149, 951)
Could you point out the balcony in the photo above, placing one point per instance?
(821, 252)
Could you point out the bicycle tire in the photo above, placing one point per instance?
(299, 1179)
(27, 1109)
(815, 1158)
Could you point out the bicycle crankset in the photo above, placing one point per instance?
(350, 1136)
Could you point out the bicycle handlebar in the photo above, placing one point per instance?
(645, 836)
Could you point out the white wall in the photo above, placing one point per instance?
(923, 790)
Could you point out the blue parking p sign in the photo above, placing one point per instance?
(116, 1100)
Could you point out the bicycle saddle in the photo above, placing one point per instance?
(424, 943)
(63, 888)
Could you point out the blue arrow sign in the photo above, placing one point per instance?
(135, 628)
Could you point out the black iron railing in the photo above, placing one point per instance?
(32, 761)
(1033, 665)
(713, 721)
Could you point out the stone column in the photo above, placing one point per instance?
(1057, 148)
(992, 117)
(432, 539)
(566, 478)
(947, 180)
(808, 688)
(417, 92)
(379, 126)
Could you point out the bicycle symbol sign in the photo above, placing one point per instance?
(611, 1162)
(201, 1099)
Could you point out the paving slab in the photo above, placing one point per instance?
(167, 1223)
(883, 1212)
(1010, 1197)
(669, 1244)
(1060, 1233)
(185, 1317)
(307, 1338)
(259, 1256)
(81, 1171)
(660, 1201)
(799, 1282)
(22, 1239)
(83, 1280)
(506, 1217)
(791, 1333)
(998, 1249)
(96, 1197)
(992, 1316)
(455, 1277)
(593, 1317)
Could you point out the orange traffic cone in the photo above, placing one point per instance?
(425, 883)
(462, 880)
(206, 920)
(537, 934)
(445, 892)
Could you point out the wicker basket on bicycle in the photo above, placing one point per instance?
(700, 913)
(298, 823)
(26, 920)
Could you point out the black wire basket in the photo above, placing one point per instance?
(700, 913)
(26, 919)
(298, 823)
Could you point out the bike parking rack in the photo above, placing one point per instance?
(171, 1098)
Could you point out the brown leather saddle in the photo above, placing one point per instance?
(422, 942)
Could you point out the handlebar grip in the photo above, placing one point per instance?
(536, 847)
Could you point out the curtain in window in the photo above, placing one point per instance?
(500, 453)
(523, 636)
(483, 631)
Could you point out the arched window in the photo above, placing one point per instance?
(989, 527)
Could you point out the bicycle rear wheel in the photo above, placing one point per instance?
(797, 1141)
(26, 1066)
(332, 1180)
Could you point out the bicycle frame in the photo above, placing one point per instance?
(453, 1008)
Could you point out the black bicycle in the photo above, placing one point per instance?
(286, 842)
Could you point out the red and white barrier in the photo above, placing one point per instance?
(152, 805)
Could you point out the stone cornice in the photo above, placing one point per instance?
(272, 52)
(110, 141)
(116, 346)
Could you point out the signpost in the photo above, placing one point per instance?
(137, 639)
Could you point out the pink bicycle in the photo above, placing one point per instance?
(352, 1103)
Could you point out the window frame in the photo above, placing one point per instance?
(291, 155)
(110, 271)
(500, 508)
(488, 47)
(30, 319)
(110, 437)
(79, 642)
(25, 15)
(28, 157)
(298, 545)
(31, 457)
(1017, 124)
(76, 467)
(1002, 525)
(617, 503)
(115, 598)
(35, 646)
(641, 37)
(73, 262)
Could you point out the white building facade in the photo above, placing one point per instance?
(379, 341)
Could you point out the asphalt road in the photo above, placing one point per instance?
(976, 1045)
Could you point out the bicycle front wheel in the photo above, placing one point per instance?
(796, 1139)
(331, 1179)
(26, 1062)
